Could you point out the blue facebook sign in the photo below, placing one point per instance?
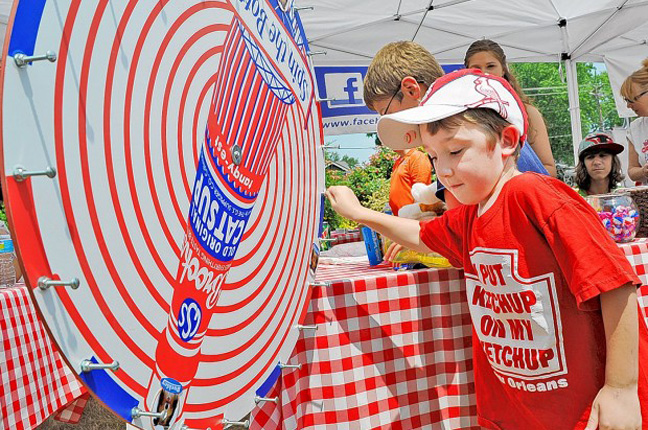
(347, 113)
(351, 89)
(344, 84)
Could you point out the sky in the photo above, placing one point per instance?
(351, 142)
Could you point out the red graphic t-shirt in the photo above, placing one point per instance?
(535, 264)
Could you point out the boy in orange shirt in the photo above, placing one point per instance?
(390, 86)
(411, 167)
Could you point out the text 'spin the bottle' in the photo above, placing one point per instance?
(245, 122)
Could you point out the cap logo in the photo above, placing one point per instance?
(484, 87)
(450, 95)
(410, 136)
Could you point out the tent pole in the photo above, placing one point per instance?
(574, 105)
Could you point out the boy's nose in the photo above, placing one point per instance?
(444, 171)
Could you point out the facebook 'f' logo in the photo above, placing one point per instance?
(345, 88)
(351, 89)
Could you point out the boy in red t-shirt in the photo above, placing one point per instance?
(552, 298)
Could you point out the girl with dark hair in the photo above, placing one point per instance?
(599, 169)
(490, 58)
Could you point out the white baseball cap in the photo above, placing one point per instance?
(449, 95)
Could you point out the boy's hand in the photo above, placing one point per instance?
(615, 408)
(393, 249)
(344, 201)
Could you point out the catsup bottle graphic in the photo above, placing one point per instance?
(240, 141)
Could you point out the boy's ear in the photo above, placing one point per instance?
(411, 88)
(510, 140)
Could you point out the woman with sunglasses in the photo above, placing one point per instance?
(635, 93)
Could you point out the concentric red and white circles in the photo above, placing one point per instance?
(125, 109)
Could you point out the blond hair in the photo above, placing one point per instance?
(392, 63)
(639, 77)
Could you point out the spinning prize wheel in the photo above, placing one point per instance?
(163, 170)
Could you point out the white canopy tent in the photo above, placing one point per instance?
(610, 31)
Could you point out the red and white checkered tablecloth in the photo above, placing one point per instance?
(392, 350)
(345, 237)
(71, 413)
(637, 253)
(35, 381)
(351, 268)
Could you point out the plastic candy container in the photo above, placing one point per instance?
(618, 214)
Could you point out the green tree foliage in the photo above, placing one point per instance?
(335, 221)
(370, 182)
(380, 198)
(351, 161)
(368, 178)
(545, 85)
(334, 156)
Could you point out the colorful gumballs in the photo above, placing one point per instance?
(620, 222)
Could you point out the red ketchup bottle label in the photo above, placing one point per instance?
(244, 125)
